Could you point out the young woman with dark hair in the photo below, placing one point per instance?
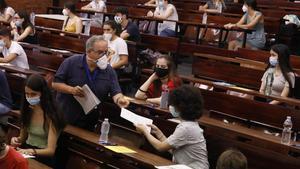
(117, 47)
(22, 28)
(41, 123)
(252, 19)
(164, 73)
(6, 12)
(73, 23)
(278, 79)
(187, 143)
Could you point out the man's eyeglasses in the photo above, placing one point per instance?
(100, 52)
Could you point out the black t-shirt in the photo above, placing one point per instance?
(133, 31)
(5, 97)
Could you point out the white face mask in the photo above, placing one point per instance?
(18, 23)
(65, 12)
(102, 62)
(173, 111)
(107, 36)
(118, 19)
(244, 8)
(2, 43)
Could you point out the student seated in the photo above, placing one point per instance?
(73, 23)
(41, 123)
(22, 28)
(9, 157)
(164, 73)
(130, 30)
(6, 12)
(13, 52)
(187, 143)
(278, 78)
(96, 6)
(252, 19)
(232, 159)
(92, 69)
(166, 11)
(213, 6)
(117, 47)
(5, 97)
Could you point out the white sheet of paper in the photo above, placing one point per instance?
(89, 101)
(177, 166)
(135, 119)
(28, 156)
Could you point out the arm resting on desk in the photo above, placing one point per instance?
(9, 58)
(168, 13)
(250, 25)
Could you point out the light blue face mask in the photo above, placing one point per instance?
(273, 61)
(173, 111)
(161, 4)
(33, 100)
(2, 43)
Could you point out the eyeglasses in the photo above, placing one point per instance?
(100, 52)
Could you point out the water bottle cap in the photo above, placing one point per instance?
(288, 117)
(106, 119)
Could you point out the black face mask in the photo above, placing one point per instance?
(161, 72)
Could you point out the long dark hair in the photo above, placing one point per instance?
(283, 61)
(71, 6)
(172, 74)
(39, 84)
(24, 15)
(3, 5)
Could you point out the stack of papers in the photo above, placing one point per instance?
(120, 149)
(89, 101)
(178, 166)
(136, 119)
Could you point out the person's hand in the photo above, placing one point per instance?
(13, 24)
(155, 130)
(140, 128)
(15, 142)
(27, 151)
(123, 102)
(77, 91)
(153, 76)
(229, 26)
(150, 14)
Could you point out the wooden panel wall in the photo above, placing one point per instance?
(38, 6)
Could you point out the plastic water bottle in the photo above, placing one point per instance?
(164, 96)
(32, 18)
(287, 131)
(269, 82)
(104, 131)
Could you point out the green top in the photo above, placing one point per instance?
(37, 136)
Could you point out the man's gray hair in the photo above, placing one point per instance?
(92, 40)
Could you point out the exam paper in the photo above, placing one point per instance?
(136, 119)
(89, 101)
(178, 166)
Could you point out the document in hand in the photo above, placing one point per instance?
(135, 119)
(89, 101)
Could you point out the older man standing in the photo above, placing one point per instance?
(92, 69)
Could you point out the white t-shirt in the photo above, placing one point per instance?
(167, 24)
(117, 47)
(97, 18)
(21, 59)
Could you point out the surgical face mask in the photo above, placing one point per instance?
(173, 111)
(18, 23)
(65, 12)
(244, 8)
(2, 43)
(273, 61)
(33, 100)
(161, 72)
(107, 36)
(118, 19)
(160, 4)
(102, 62)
